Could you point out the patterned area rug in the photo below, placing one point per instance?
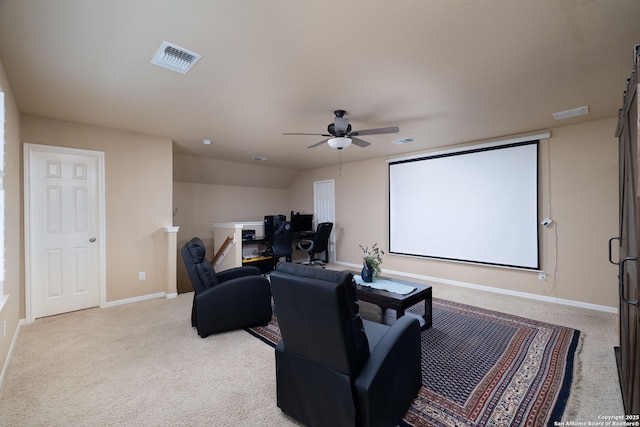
(482, 367)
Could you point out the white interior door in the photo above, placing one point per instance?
(64, 229)
(324, 209)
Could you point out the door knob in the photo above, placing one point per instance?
(93, 239)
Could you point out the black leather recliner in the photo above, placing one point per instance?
(332, 367)
(232, 299)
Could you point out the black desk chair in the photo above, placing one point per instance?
(282, 242)
(319, 244)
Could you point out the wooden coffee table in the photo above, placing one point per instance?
(399, 302)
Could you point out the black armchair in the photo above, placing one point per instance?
(332, 367)
(319, 244)
(232, 299)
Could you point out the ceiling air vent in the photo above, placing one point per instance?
(574, 112)
(403, 141)
(175, 58)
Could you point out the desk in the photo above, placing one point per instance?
(264, 263)
(253, 254)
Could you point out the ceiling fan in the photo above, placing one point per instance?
(341, 136)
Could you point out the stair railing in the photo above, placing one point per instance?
(223, 251)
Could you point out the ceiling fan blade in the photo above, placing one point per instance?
(316, 134)
(317, 143)
(378, 131)
(359, 142)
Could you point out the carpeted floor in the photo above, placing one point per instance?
(482, 367)
(142, 364)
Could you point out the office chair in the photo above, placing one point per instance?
(282, 242)
(319, 244)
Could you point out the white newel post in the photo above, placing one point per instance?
(171, 290)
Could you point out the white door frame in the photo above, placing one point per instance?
(99, 155)
(331, 214)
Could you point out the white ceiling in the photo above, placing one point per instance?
(444, 71)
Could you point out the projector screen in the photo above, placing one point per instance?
(478, 205)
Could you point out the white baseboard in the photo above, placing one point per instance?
(134, 299)
(11, 348)
(544, 298)
(171, 295)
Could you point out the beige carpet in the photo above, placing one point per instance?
(143, 365)
(137, 365)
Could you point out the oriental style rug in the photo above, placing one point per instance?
(482, 367)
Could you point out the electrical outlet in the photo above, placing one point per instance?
(542, 275)
(142, 275)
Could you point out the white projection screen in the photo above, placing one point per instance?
(478, 205)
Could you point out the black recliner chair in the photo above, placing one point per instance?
(319, 244)
(232, 299)
(332, 367)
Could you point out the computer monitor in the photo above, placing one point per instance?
(302, 222)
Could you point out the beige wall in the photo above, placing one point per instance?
(14, 278)
(581, 167)
(138, 199)
(202, 170)
(200, 205)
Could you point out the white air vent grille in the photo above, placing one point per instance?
(574, 112)
(403, 141)
(175, 58)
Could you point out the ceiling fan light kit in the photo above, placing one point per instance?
(339, 142)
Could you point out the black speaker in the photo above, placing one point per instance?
(271, 222)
